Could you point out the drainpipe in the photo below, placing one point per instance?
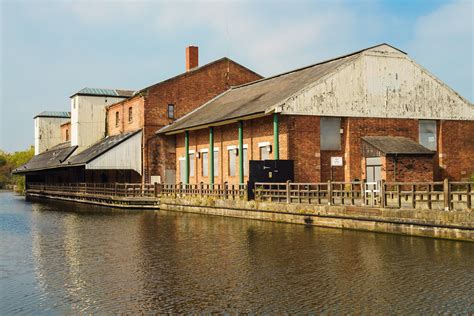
(211, 155)
(186, 149)
(241, 152)
(276, 145)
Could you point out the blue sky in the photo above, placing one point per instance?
(50, 49)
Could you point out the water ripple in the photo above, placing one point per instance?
(61, 258)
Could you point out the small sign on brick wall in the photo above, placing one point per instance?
(336, 161)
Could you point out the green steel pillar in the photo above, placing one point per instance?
(211, 155)
(276, 143)
(186, 149)
(241, 152)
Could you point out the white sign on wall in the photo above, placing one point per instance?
(336, 161)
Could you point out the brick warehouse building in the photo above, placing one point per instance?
(373, 114)
(131, 152)
(160, 104)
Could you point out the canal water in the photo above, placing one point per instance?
(61, 258)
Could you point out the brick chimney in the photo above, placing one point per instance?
(192, 57)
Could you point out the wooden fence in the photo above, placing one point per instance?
(400, 195)
(97, 189)
(126, 190)
(429, 195)
(222, 191)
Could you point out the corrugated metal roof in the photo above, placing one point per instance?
(259, 96)
(396, 145)
(52, 158)
(54, 114)
(57, 155)
(105, 92)
(99, 148)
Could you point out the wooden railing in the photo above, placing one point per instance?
(98, 189)
(222, 191)
(429, 195)
(400, 195)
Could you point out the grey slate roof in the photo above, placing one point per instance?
(99, 148)
(52, 158)
(54, 114)
(397, 145)
(105, 92)
(258, 97)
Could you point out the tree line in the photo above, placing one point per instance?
(11, 161)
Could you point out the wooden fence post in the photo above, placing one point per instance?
(288, 192)
(399, 196)
(329, 192)
(362, 192)
(382, 193)
(447, 195)
(413, 196)
(429, 196)
(352, 193)
(225, 190)
(468, 201)
(318, 192)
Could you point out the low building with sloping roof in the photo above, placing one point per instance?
(317, 116)
(112, 159)
(395, 158)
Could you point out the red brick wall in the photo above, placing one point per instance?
(300, 141)
(356, 128)
(125, 125)
(303, 147)
(456, 149)
(408, 168)
(187, 92)
(66, 132)
(255, 131)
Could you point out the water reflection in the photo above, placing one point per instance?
(80, 258)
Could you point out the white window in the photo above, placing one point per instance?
(182, 169)
(171, 111)
(264, 152)
(246, 162)
(192, 164)
(427, 134)
(232, 162)
(216, 163)
(205, 164)
(330, 133)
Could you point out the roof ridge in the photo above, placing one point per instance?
(194, 70)
(316, 64)
(112, 92)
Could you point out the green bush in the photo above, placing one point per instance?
(11, 161)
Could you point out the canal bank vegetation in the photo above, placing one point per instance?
(9, 162)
